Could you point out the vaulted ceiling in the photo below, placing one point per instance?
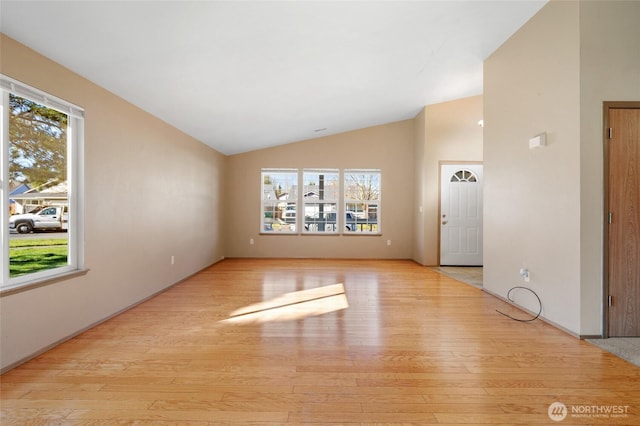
(244, 75)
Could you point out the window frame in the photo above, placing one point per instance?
(337, 228)
(361, 223)
(343, 226)
(75, 183)
(292, 230)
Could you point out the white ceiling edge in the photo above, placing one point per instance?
(242, 76)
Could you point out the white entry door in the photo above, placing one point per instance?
(461, 214)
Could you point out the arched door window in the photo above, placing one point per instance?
(464, 176)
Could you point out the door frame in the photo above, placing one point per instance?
(608, 105)
(440, 164)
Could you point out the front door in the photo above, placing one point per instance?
(624, 222)
(461, 214)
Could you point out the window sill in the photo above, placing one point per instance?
(325, 234)
(30, 285)
(280, 233)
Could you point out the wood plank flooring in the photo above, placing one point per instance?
(280, 342)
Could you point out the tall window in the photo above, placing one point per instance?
(279, 200)
(362, 193)
(41, 140)
(320, 198)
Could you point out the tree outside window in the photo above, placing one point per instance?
(362, 193)
(41, 185)
(279, 201)
(38, 165)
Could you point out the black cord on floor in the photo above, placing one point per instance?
(511, 300)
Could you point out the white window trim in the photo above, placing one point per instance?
(341, 202)
(378, 202)
(75, 181)
(339, 222)
(264, 171)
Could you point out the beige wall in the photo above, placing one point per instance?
(151, 192)
(388, 147)
(543, 208)
(445, 133)
(532, 197)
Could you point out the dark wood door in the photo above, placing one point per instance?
(624, 222)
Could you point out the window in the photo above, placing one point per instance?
(320, 199)
(464, 176)
(312, 201)
(279, 200)
(41, 185)
(362, 201)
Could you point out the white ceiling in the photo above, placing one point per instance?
(240, 75)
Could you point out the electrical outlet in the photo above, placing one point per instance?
(524, 273)
(173, 260)
(388, 242)
(251, 241)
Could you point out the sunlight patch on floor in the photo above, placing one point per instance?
(292, 306)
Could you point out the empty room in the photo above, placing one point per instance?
(279, 212)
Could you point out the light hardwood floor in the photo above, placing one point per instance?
(395, 343)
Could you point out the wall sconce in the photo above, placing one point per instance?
(538, 141)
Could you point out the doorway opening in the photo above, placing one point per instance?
(460, 214)
(460, 222)
(621, 271)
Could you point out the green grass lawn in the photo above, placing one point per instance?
(32, 255)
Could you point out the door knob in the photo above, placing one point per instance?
(444, 222)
